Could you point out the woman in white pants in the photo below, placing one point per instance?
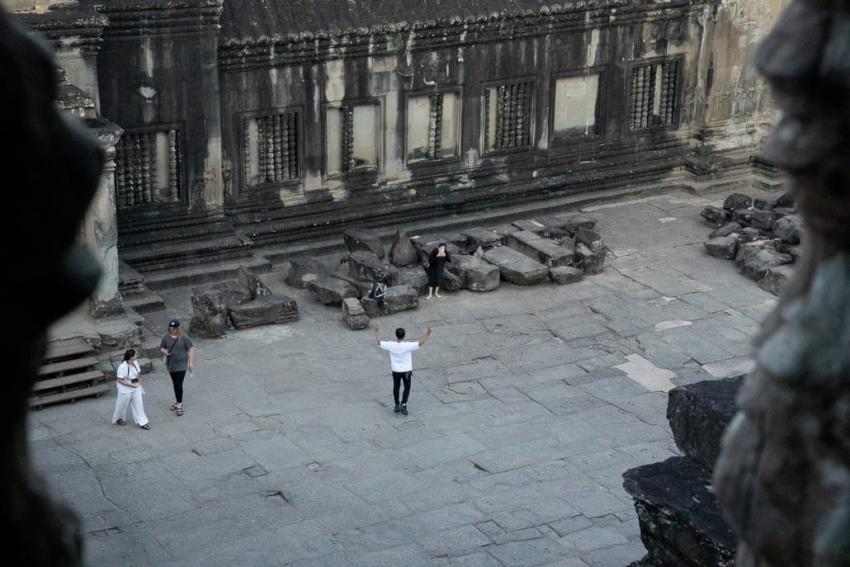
(130, 392)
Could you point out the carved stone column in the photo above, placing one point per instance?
(783, 478)
(100, 228)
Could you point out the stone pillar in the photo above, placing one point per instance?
(731, 110)
(100, 227)
(783, 477)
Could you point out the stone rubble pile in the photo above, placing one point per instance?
(680, 521)
(245, 304)
(762, 236)
(559, 248)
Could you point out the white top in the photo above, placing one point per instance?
(127, 372)
(400, 358)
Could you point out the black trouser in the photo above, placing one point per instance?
(177, 381)
(397, 378)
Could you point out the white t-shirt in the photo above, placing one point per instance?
(127, 372)
(400, 358)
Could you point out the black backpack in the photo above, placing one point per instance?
(377, 292)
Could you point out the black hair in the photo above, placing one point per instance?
(399, 333)
(129, 353)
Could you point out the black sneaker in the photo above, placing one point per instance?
(404, 409)
(397, 408)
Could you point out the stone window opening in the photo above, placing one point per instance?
(270, 145)
(654, 95)
(148, 167)
(352, 136)
(507, 116)
(433, 126)
(576, 106)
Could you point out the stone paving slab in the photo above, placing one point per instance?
(528, 404)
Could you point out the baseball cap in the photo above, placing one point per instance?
(174, 323)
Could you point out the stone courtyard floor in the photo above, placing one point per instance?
(528, 404)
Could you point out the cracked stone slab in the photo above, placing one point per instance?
(647, 374)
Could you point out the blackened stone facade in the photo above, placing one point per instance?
(256, 123)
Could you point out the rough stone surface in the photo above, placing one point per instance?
(425, 243)
(232, 294)
(722, 247)
(331, 291)
(482, 237)
(415, 276)
(358, 239)
(788, 229)
(590, 261)
(304, 270)
(715, 215)
(353, 314)
(252, 283)
(575, 222)
(366, 267)
(762, 220)
(530, 225)
(726, 230)
(565, 275)
(476, 274)
(754, 258)
(775, 279)
(737, 201)
(265, 310)
(209, 315)
(516, 267)
(680, 521)
(402, 252)
(698, 415)
(544, 250)
(397, 298)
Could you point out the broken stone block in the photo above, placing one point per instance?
(743, 216)
(565, 275)
(361, 286)
(749, 234)
(715, 215)
(589, 261)
(252, 283)
(722, 247)
(788, 229)
(737, 201)
(415, 276)
(482, 237)
(425, 243)
(358, 239)
(209, 315)
(304, 270)
(762, 220)
(396, 298)
(680, 521)
(754, 258)
(475, 273)
(232, 294)
(783, 211)
(785, 200)
(529, 225)
(726, 230)
(402, 252)
(775, 279)
(451, 281)
(354, 315)
(503, 230)
(545, 251)
(589, 238)
(329, 290)
(764, 204)
(698, 415)
(575, 222)
(264, 310)
(516, 267)
(367, 267)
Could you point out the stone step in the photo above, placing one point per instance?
(177, 233)
(66, 349)
(186, 253)
(698, 415)
(146, 302)
(130, 281)
(680, 521)
(204, 273)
